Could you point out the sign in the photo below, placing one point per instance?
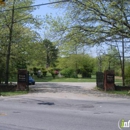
(110, 78)
(21, 78)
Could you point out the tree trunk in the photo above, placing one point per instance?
(9, 46)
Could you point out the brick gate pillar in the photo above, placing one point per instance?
(22, 81)
(109, 80)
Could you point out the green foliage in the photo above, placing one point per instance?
(44, 72)
(62, 62)
(68, 73)
(111, 59)
(34, 71)
(127, 75)
(38, 71)
(54, 72)
(49, 78)
(15, 93)
(2, 69)
(83, 64)
(86, 71)
(51, 53)
(104, 19)
(21, 64)
(16, 33)
(105, 22)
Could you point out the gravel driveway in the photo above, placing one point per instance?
(70, 90)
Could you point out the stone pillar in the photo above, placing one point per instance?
(109, 80)
(22, 82)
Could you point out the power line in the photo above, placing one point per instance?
(37, 5)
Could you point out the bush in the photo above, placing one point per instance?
(39, 72)
(35, 70)
(86, 75)
(54, 72)
(44, 73)
(127, 81)
(68, 73)
(86, 72)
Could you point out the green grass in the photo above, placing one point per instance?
(125, 93)
(13, 93)
(118, 80)
(62, 79)
(49, 78)
(57, 79)
(119, 92)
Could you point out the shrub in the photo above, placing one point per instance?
(53, 72)
(68, 73)
(86, 72)
(35, 70)
(44, 72)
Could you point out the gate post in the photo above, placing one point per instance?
(100, 79)
(22, 81)
(109, 80)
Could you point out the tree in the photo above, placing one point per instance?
(2, 69)
(13, 22)
(51, 53)
(80, 63)
(96, 21)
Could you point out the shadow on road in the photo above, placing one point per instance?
(46, 103)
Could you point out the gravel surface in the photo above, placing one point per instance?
(70, 90)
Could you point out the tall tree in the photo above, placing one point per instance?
(51, 52)
(13, 20)
(77, 62)
(97, 21)
(94, 21)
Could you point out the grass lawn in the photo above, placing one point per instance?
(57, 79)
(125, 93)
(49, 78)
(13, 93)
(119, 92)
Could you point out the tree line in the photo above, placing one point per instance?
(83, 24)
(94, 22)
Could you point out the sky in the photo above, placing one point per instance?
(47, 9)
(43, 10)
